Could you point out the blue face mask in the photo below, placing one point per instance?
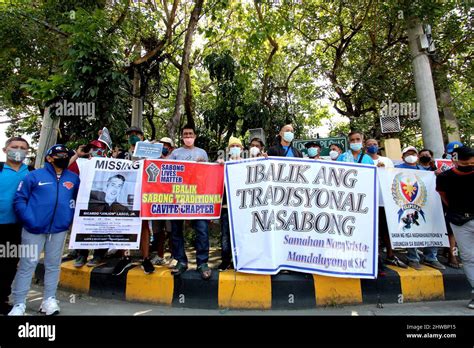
(313, 151)
(288, 136)
(372, 149)
(355, 146)
(165, 151)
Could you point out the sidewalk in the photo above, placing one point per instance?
(287, 290)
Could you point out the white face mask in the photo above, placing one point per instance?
(288, 136)
(254, 151)
(234, 152)
(411, 159)
(333, 154)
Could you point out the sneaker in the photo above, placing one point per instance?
(18, 310)
(159, 261)
(414, 264)
(122, 265)
(147, 266)
(80, 261)
(179, 269)
(435, 264)
(395, 261)
(470, 305)
(95, 261)
(225, 265)
(50, 306)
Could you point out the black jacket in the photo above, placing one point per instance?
(278, 150)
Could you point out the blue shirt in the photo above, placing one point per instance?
(349, 157)
(289, 153)
(407, 166)
(9, 180)
(183, 154)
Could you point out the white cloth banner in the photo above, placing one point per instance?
(107, 211)
(413, 208)
(304, 215)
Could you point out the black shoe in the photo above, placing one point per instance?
(5, 308)
(179, 269)
(147, 266)
(225, 265)
(122, 265)
(80, 261)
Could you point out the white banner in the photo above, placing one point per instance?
(413, 208)
(107, 211)
(304, 215)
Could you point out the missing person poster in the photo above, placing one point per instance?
(181, 190)
(413, 208)
(304, 215)
(107, 211)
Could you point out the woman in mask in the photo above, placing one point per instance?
(427, 160)
(256, 148)
(283, 148)
(314, 150)
(334, 151)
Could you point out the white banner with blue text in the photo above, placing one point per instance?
(310, 216)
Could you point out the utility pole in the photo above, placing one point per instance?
(48, 136)
(425, 92)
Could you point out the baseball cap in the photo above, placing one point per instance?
(166, 140)
(133, 129)
(58, 148)
(409, 148)
(453, 145)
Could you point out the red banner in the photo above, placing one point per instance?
(181, 190)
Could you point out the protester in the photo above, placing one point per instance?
(162, 228)
(372, 148)
(410, 161)
(283, 147)
(95, 148)
(334, 151)
(235, 149)
(44, 203)
(135, 135)
(189, 152)
(314, 150)
(427, 161)
(11, 173)
(355, 154)
(256, 148)
(456, 188)
(450, 148)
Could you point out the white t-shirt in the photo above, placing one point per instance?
(385, 160)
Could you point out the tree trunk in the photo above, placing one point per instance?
(173, 124)
(188, 101)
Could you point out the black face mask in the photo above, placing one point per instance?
(62, 163)
(465, 169)
(425, 159)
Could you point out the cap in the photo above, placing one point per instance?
(166, 140)
(409, 148)
(311, 144)
(58, 148)
(453, 145)
(234, 141)
(97, 143)
(133, 129)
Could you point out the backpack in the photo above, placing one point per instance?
(30, 168)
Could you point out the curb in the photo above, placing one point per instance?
(230, 289)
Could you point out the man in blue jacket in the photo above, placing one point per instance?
(44, 203)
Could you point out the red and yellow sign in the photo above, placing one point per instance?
(181, 190)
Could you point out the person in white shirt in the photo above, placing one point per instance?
(372, 148)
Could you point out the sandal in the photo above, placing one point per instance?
(179, 269)
(395, 261)
(205, 271)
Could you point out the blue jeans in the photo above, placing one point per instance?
(201, 243)
(226, 253)
(53, 245)
(429, 253)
